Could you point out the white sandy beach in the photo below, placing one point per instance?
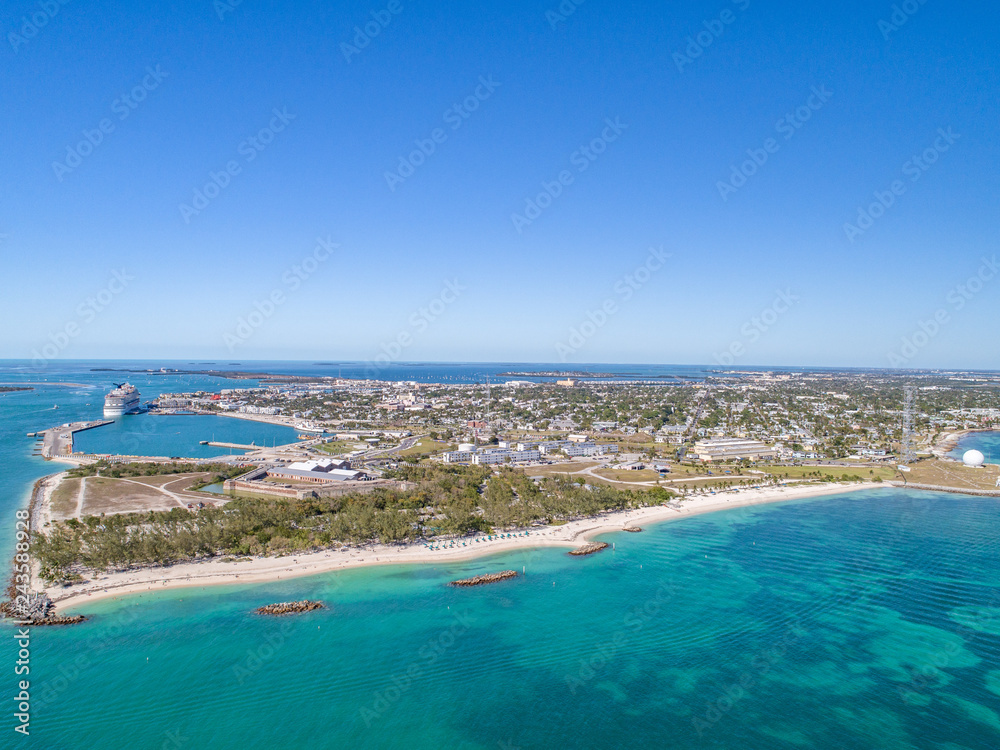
(262, 569)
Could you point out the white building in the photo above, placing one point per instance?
(525, 456)
(272, 410)
(577, 449)
(732, 449)
(590, 449)
(496, 456)
(504, 455)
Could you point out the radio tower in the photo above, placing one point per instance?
(909, 452)
(489, 402)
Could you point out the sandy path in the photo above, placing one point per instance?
(81, 497)
(168, 493)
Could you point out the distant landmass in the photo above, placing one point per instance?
(565, 374)
(581, 374)
(229, 374)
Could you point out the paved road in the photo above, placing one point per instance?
(404, 445)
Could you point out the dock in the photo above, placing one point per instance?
(58, 441)
(237, 446)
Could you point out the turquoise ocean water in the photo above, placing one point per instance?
(986, 442)
(868, 620)
(179, 435)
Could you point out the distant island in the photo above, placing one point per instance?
(14, 388)
(228, 374)
(566, 374)
(581, 374)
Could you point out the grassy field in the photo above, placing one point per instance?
(793, 474)
(337, 447)
(105, 495)
(628, 475)
(63, 500)
(559, 470)
(425, 447)
(129, 495)
(169, 479)
(953, 474)
(703, 483)
(700, 470)
(109, 495)
(837, 472)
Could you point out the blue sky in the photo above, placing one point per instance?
(518, 290)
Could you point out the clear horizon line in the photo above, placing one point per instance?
(563, 366)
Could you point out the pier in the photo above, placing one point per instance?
(237, 446)
(58, 441)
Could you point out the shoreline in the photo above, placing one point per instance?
(950, 442)
(215, 572)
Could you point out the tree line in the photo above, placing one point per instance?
(444, 501)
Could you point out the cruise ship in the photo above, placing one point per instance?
(124, 399)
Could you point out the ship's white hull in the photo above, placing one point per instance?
(118, 410)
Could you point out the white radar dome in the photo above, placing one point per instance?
(973, 458)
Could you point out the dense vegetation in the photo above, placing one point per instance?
(444, 500)
(151, 469)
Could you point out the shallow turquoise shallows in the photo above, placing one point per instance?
(865, 620)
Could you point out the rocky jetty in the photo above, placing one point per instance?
(57, 620)
(632, 529)
(590, 548)
(289, 608)
(487, 578)
(35, 609)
